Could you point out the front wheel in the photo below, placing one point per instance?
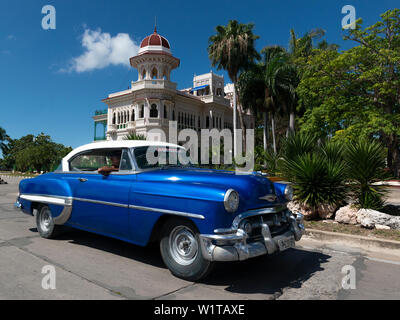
(181, 252)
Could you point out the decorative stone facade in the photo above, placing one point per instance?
(153, 100)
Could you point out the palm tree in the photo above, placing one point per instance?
(302, 47)
(3, 137)
(269, 87)
(281, 80)
(251, 89)
(232, 48)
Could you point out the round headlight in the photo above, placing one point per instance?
(231, 200)
(289, 192)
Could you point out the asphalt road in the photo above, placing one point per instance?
(89, 266)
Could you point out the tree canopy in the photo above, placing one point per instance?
(31, 153)
(356, 93)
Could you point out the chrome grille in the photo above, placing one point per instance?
(278, 223)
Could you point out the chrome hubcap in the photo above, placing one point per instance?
(45, 219)
(183, 245)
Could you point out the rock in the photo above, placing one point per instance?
(326, 211)
(382, 227)
(372, 217)
(307, 212)
(367, 223)
(347, 214)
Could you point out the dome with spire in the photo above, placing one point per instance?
(154, 43)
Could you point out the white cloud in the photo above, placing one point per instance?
(102, 50)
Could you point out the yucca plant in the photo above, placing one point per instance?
(298, 144)
(134, 136)
(317, 171)
(266, 160)
(333, 151)
(365, 161)
(316, 180)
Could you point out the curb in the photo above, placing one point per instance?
(393, 183)
(360, 240)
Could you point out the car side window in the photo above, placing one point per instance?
(93, 160)
(88, 161)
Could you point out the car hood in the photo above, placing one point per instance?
(251, 187)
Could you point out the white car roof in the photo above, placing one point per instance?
(114, 144)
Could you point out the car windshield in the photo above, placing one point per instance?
(158, 157)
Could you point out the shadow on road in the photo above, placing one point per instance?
(149, 255)
(264, 275)
(268, 274)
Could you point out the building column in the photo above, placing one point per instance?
(161, 110)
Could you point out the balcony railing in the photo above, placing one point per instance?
(100, 112)
(132, 125)
(153, 84)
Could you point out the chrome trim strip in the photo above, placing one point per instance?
(178, 213)
(67, 202)
(50, 199)
(115, 204)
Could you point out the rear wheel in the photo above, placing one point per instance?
(45, 223)
(181, 251)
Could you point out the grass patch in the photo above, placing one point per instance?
(353, 229)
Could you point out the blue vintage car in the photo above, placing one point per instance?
(199, 216)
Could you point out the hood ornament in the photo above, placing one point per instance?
(268, 197)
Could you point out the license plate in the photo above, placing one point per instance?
(286, 243)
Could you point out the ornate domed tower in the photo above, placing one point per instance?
(154, 59)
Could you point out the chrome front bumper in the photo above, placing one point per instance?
(233, 245)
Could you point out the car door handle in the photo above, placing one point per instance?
(82, 179)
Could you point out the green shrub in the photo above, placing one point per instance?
(317, 170)
(316, 180)
(134, 136)
(366, 161)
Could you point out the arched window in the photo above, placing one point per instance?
(113, 118)
(133, 115)
(154, 74)
(219, 92)
(153, 111)
(165, 112)
(173, 115)
(144, 74)
(141, 113)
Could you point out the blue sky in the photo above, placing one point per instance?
(43, 90)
